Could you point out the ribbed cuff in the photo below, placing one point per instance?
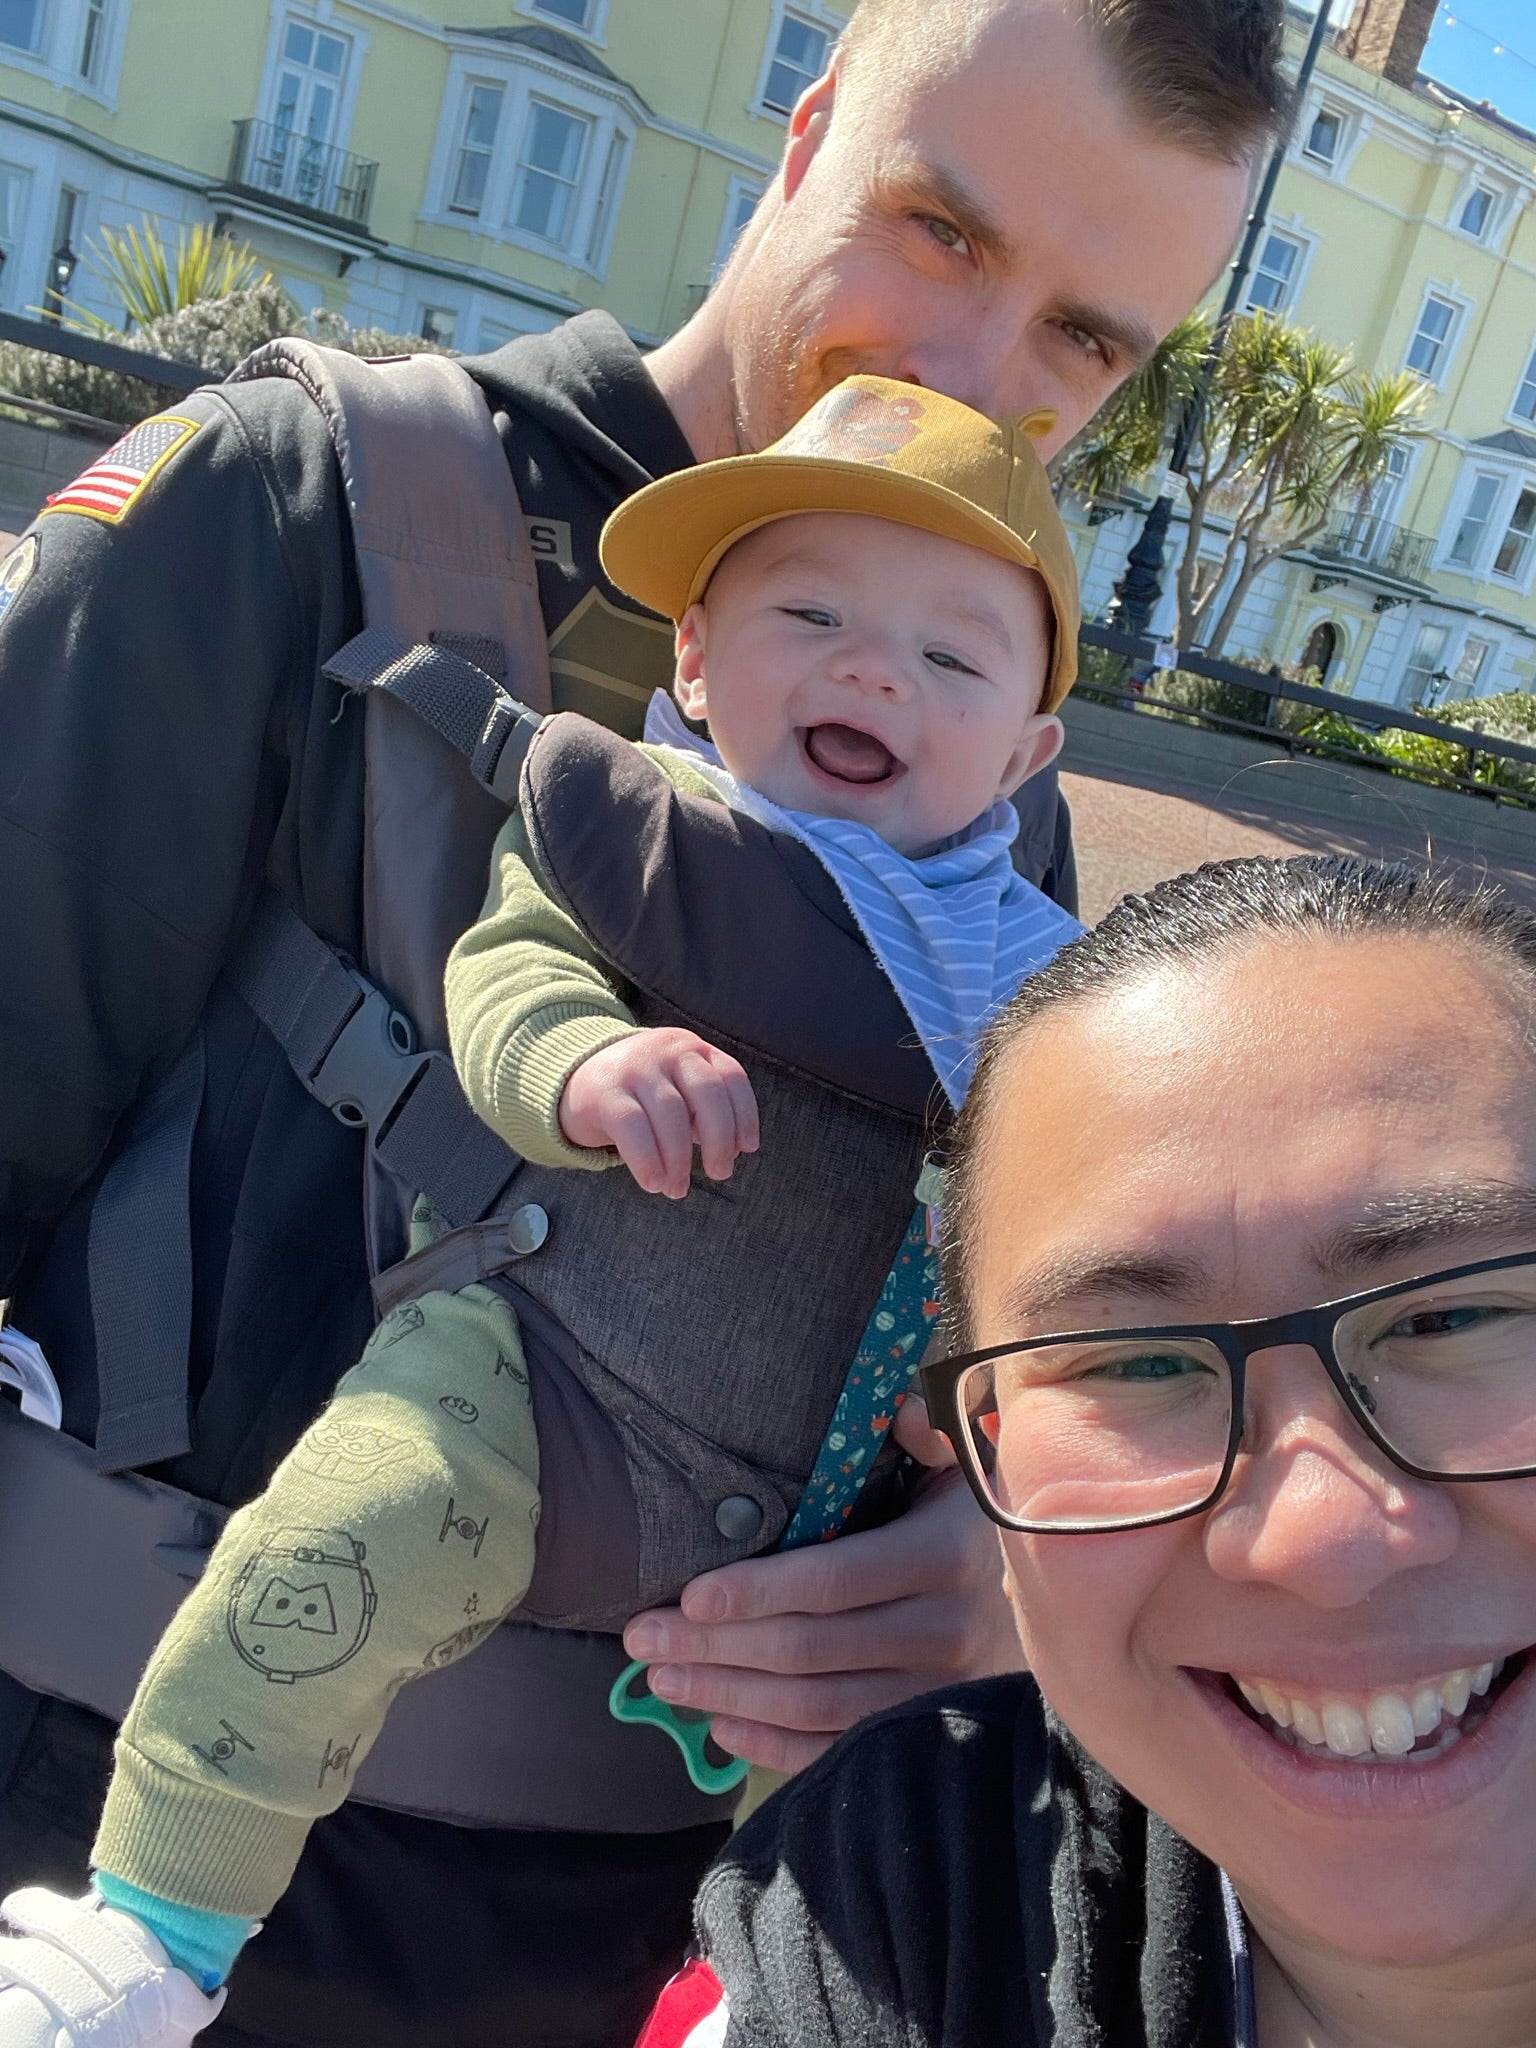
(193, 1845)
(530, 1079)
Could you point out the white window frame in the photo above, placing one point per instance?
(811, 11)
(1501, 192)
(1418, 627)
(1321, 111)
(595, 31)
(316, 16)
(741, 189)
(57, 56)
(1305, 245)
(1461, 505)
(526, 76)
(1493, 654)
(16, 293)
(425, 309)
(1522, 578)
(460, 143)
(1460, 306)
(573, 185)
(1527, 383)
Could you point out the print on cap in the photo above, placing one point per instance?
(856, 426)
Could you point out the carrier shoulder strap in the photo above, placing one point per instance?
(451, 614)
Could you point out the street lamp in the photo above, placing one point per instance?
(61, 271)
(1138, 591)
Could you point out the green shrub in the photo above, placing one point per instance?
(1208, 695)
(211, 334)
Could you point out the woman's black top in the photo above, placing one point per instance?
(960, 1872)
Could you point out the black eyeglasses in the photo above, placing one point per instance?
(1122, 1429)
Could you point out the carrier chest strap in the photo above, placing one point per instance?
(461, 701)
(357, 1054)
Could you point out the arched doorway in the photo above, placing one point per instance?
(1321, 651)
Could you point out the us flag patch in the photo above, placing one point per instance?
(107, 489)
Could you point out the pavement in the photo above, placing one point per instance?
(1130, 835)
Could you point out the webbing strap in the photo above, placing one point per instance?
(139, 1261)
(461, 702)
(357, 1054)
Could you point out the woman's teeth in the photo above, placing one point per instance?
(1388, 1724)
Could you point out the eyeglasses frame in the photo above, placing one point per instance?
(1237, 1342)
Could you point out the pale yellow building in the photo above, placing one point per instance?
(467, 168)
(1404, 224)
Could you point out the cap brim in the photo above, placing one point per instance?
(663, 545)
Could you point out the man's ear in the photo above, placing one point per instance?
(688, 684)
(808, 126)
(1040, 742)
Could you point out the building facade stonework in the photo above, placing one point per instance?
(468, 169)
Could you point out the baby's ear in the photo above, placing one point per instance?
(688, 684)
(1040, 742)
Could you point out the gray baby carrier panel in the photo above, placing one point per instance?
(94, 1558)
(713, 1335)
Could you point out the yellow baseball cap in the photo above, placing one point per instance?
(891, 450)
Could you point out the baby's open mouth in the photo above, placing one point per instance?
(848, 755)
(1408, 1724)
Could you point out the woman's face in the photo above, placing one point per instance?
(1309, 1120)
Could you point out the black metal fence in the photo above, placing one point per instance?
(282, 164)
(1141, 656)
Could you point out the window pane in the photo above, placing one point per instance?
(480, 123)
(21, 23)
(1525, 398)
(1474, 521)
(13, 205)
(91, 39)
(573, 11)
(1420, 681)
(1428, 347)
(299, 43)
(1436, 318)
(329, 53)
(1475, 214)
(797, 62)
(551, 163)
(484, 113)
(1270, 290)
(1469, 665)
(1324, 139)
(1515, 550)
(438, 324)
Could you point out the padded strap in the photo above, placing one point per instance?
(460, 701)
(439, 535)
(357, 1054)
(139, 1261)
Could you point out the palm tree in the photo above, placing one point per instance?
(1288, 433)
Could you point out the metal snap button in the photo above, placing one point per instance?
(739, 1518)
(527, 1229)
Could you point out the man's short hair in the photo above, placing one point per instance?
(1203, 74)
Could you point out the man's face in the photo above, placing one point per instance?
(1010, 234)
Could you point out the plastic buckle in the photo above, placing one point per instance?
(372, 1066)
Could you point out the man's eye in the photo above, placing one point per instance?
(1080, 338)
(812, 614)
(945, 233)
(951, 662)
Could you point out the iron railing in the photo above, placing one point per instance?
(282, 164)
(1483, 752)
(1377, 544)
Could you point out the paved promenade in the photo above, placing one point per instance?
(1135, 824)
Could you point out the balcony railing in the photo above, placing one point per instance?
(291, 167)
(1377, 544)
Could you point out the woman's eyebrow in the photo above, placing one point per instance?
(1426, 1219)
(1080, 1277)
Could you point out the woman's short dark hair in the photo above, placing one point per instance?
(1218, 909)
(1203, 74)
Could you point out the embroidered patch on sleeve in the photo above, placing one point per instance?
(117, 479)
(16, 571)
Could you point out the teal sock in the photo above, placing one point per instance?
(205, 1945)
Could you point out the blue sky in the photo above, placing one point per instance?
(1464, 51)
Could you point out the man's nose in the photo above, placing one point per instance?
(986, 363)
(1314, 1508)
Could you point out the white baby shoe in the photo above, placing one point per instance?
(74, 1972)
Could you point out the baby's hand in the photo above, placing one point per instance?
(653, 1096)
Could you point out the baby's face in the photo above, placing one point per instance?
(859, 669)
